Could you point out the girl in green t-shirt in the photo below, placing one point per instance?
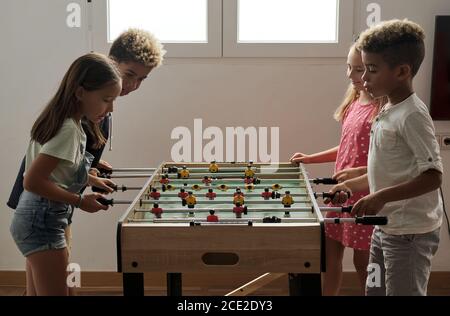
(57, 165)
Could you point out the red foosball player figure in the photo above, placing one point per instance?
(213, 167)
(182, 194)
(211, 195)
(184, 173)
(155, 194)
(249, 172)
(211, 217)
(190, 200)
(238, 210)
(157, 210)
(287, 199)
(164, 179)
(206, 180)
(248, 180)
(266, 194)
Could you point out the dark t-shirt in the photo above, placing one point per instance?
(97, 153)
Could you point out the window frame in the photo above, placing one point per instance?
(223, 32)
(231, 48)
(213, 48)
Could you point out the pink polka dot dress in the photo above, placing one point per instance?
(353, 149)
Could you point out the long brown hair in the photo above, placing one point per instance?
(91, 72)
(351, 95)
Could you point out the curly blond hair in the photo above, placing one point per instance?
(398, 41)
(139, 46)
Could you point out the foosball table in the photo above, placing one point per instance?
(224, 218)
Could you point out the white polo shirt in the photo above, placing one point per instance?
(402, 146)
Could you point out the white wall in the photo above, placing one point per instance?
(298, 95)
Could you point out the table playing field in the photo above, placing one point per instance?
(268, 237)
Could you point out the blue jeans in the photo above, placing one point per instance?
(404, 262)
(39, 224)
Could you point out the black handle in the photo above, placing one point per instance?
(100, 190)
(105, 201)
(105, 171)
(325, 181)
(332, 195)
(347, 209)
(172, 170)
(372, 220)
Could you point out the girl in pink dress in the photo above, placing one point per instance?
(355, 113)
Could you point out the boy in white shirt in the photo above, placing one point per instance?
(404, 165)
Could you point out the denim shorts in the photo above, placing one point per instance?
(39, 224)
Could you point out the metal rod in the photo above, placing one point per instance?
(134, 170)
(215, 180)
(145, 175)
(250, 209)
(246, 194)
(365, 220)
(131, 175)
(235, 169)
(232, 221)
(216, 201)
(230, 174)
(232, 187)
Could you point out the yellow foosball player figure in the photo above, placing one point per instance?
(213, 167)
(249, 172)
(184, 173)
(238, 199)
(287, 199)
(238, 192)
(190, 200)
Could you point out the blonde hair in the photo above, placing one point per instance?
(139, 46)
(398, 42)
(351, 95)
(91, 72)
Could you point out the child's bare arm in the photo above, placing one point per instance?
(360, 183)
(328, 155)
(350, 173)
(428, 181)
(37, 181)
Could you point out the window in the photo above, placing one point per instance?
(287, 21)
(172, 21)
(187, 28)
(287, 28)
(231, 28)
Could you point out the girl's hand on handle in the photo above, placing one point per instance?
(90, 204)
(300, 158)
(349, 173)
(102, 164)
(342, 197)
(105, 184)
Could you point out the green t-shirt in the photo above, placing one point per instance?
(68, 145)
